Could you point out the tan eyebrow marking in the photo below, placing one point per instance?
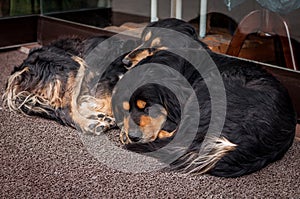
(126, 106)
(141, 104)
(155, 42)
(148, 36)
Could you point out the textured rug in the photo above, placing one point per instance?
(42, 159)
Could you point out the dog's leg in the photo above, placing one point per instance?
(90, 114)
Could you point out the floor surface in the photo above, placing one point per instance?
(42, 159)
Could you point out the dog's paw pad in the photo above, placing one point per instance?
(111, 121)
(104, 125)
(101, 115)
(100, 124)
(100, 129)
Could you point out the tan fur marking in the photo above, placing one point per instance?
(145, 121)
(90, 105)
(124, 131)
(55, 94)
(10, 95)
(142, 55)
(81, 121)
(84, 107)
(141, 104)
(162, 134)
(16, 97)
(150, 127)
(67, 97)
(155, 42)
(105, 105)
(126, 124)
(50, 92)
(126, 106)
(148, 36)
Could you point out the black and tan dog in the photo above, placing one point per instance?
(159, 36)
(259, 124)
(53, 82)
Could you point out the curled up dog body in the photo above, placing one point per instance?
(259, 124)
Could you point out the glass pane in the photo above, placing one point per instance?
(10, 8)
(90, 12)
(49, 6)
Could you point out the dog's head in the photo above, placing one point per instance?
(153, 113)
(162, 35)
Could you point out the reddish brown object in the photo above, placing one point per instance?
(266, 23)
(297, 137)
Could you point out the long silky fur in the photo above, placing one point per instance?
(206, 159)
(20, 101)
(260, 121)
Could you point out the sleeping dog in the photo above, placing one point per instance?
(260, 121)
(54, 82)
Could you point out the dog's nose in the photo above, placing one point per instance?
(127, 62)
(135, 136)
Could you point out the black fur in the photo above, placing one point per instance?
(260, 118)
(178, 26)
(55, 62)
(173, 24)
(46, 65)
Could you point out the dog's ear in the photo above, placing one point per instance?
(191, 31)
(172, 106)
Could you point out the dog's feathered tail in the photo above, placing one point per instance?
(193, 161)
(214, 150)
(19, 100)
(200, 162)
(11, 94)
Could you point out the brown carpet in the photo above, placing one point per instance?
(42, 159)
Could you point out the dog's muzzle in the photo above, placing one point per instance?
(131, 137)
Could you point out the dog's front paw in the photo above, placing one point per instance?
(98, 125)
(105, 123)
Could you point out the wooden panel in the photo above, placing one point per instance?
(119, 18)
(50, 28)
(18, 30)
(291, 80)
(99, 17)
(297, 136)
